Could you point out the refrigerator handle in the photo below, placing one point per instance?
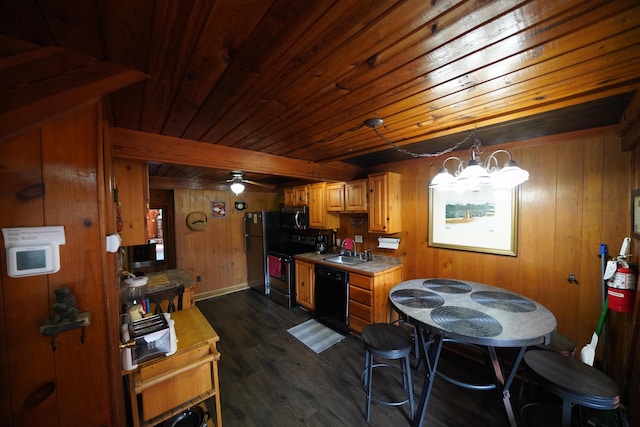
(246, 235)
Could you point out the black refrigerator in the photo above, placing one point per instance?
(260, 229)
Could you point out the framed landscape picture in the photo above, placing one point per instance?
(480, 221)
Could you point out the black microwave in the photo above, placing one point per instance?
(295, 218)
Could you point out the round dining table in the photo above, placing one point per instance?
(470, 313)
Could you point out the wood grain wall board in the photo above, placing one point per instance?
(216, 254)
(26, 303)
(568, 221)
(71, 199)
(616, 225)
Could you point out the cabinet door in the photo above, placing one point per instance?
(384, 203)
(319, 217)
(335, 196)
(132, 181)
(289, 196)
(305, 284)
(301, 195)
(356, 196)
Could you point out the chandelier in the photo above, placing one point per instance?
(470, 174)
(475, 173)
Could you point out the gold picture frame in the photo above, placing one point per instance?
(635, 214)
(483, 220)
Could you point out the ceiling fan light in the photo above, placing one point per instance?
(237, 187)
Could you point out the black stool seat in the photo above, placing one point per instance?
(386, 338)
(573, 381)
(390, 342)
(560, 344)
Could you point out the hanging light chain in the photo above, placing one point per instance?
(415, 155)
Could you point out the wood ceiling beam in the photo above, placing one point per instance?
(132, 144)
(40, 84)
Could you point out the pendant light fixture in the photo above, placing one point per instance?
(470, 174)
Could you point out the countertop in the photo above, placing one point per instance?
(379, 264)
(169, 277)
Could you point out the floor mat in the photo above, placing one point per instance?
(315, 335)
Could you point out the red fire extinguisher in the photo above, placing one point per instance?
(623, 282)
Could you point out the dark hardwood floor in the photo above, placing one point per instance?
(269, 378)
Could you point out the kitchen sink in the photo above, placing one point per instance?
(344, 259)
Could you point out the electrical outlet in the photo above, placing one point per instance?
(358, 238)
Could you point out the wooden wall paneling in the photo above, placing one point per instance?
(70, 175)
(633, 385)
(589, 302)
(568, 229)
(182, 232)
(537, 226)
(507, 267)
(112, 266)
(218, 254)
(413, 223)
(616, 225)
(195, 254)
(27, 354)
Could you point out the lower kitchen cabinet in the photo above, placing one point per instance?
(305, 284)
(369, 298)
(162, 388)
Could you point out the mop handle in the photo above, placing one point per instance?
(603, 315)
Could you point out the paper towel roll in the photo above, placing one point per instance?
(388, 242)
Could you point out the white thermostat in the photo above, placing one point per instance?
(33, 250)
(32, 260)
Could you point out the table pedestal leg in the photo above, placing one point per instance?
(430, 354)
(504, 386)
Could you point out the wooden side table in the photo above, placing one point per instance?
(162, 388)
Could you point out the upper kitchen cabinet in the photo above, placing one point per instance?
(132, 183)
(335, 196)
(355, 196)
(347, 197)
(384, 203)
(296, 196)
(319, 216)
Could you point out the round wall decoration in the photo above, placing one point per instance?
(240, 205)
(197, 220)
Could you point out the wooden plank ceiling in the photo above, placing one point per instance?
(298, 78)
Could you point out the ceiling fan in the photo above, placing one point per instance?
(238, 182)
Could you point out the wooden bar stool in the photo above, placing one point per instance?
(573, 381)
(389, 342)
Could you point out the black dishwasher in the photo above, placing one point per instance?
(332, 297)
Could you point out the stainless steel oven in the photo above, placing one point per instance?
(282, 286)
(281, 266)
